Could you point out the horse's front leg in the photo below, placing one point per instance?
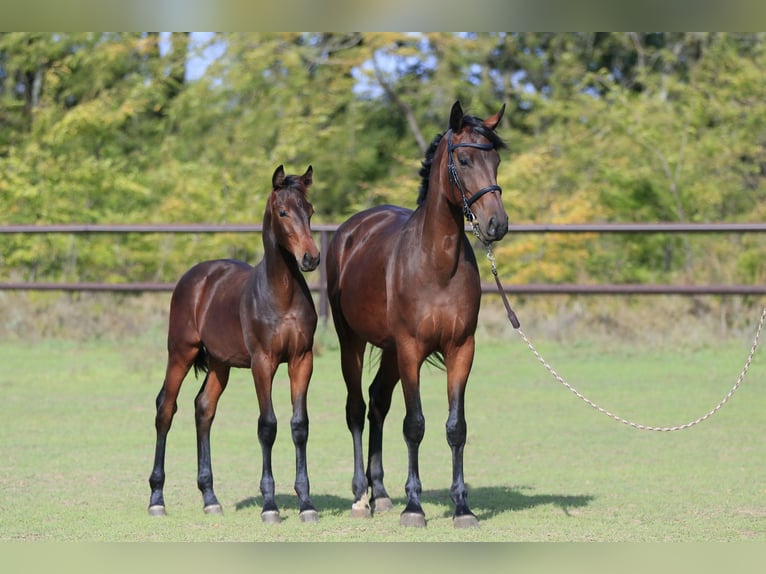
(263, 369)
(458, 365)
(414, 429)
(299, 371)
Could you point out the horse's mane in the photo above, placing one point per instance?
(478, 127)
(293, 181)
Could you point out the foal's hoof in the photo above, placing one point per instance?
(310, 515)
(465, 521)
(157, 510)
(383, 504)
(414, 519)
(270, 517)
(213, 509)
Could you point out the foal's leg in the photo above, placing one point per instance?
(458, 367)
(204, 412)
(178, 366)
(263, 369)
(299, 371)
(381, 389)
(414, 429)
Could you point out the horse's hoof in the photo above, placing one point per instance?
(465, 521)
(361, 512)
(414, 519)
(310, 515)
(213, 509)
(270, 517)
(157, 510)
(382, 504)
(361, 508)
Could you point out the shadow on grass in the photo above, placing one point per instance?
(486, 502)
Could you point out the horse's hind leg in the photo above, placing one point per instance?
(381, 389)
(352, 358)
(300, 371)
(205, 405)
(167, 404)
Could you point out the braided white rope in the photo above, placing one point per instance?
(620, 419)
(638, 426)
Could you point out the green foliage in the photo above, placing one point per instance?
(623, 127)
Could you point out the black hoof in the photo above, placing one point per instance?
(270, 517)
(383, 504)
(413, 519)
(213, 509)
(157, 510)
(310, 515)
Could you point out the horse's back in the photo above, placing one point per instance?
(368, 235)
(209, 290)
(357, 260)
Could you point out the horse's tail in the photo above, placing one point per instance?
(436, 359)
(201, 361)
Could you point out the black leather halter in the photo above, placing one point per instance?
(467, 201)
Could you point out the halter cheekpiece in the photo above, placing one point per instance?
(452, 169)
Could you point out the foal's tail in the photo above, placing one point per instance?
(201, 361)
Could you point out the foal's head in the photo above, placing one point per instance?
(289, 213)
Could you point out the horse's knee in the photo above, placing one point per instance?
(355, 410)
(456, 431)
(414, 427)
(267, 430)
(299, 425)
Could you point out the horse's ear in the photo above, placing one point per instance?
(492, 121)
(278, 177)
(308, 177)
(456, 117)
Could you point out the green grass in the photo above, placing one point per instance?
(77, 440)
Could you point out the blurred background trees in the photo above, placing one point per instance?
(182, 128)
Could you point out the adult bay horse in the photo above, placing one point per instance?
(407, 282)
(225, 314)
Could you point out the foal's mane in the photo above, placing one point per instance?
(294, 182)
(477, 126)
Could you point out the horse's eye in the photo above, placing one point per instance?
(282, 213)
(463, 161)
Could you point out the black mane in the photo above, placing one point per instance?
(478, 127)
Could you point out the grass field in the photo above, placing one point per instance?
(77, 441)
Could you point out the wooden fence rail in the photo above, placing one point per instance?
(325, 231)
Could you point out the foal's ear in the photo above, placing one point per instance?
(278, 178)
(492, 121)
(456, 117)
(308, 177)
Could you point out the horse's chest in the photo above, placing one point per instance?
(283, 335)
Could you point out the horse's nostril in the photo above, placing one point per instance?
(310, 262)
(492, 228)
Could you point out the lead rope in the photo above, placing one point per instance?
(516, 325)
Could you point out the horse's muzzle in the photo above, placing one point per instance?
(496, 229)
(309, 262)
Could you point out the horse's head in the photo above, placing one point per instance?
(472, 160)
(289, 212)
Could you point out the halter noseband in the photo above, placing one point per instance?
(467, 201)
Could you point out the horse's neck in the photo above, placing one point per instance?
(442, 227)
(279, 273)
